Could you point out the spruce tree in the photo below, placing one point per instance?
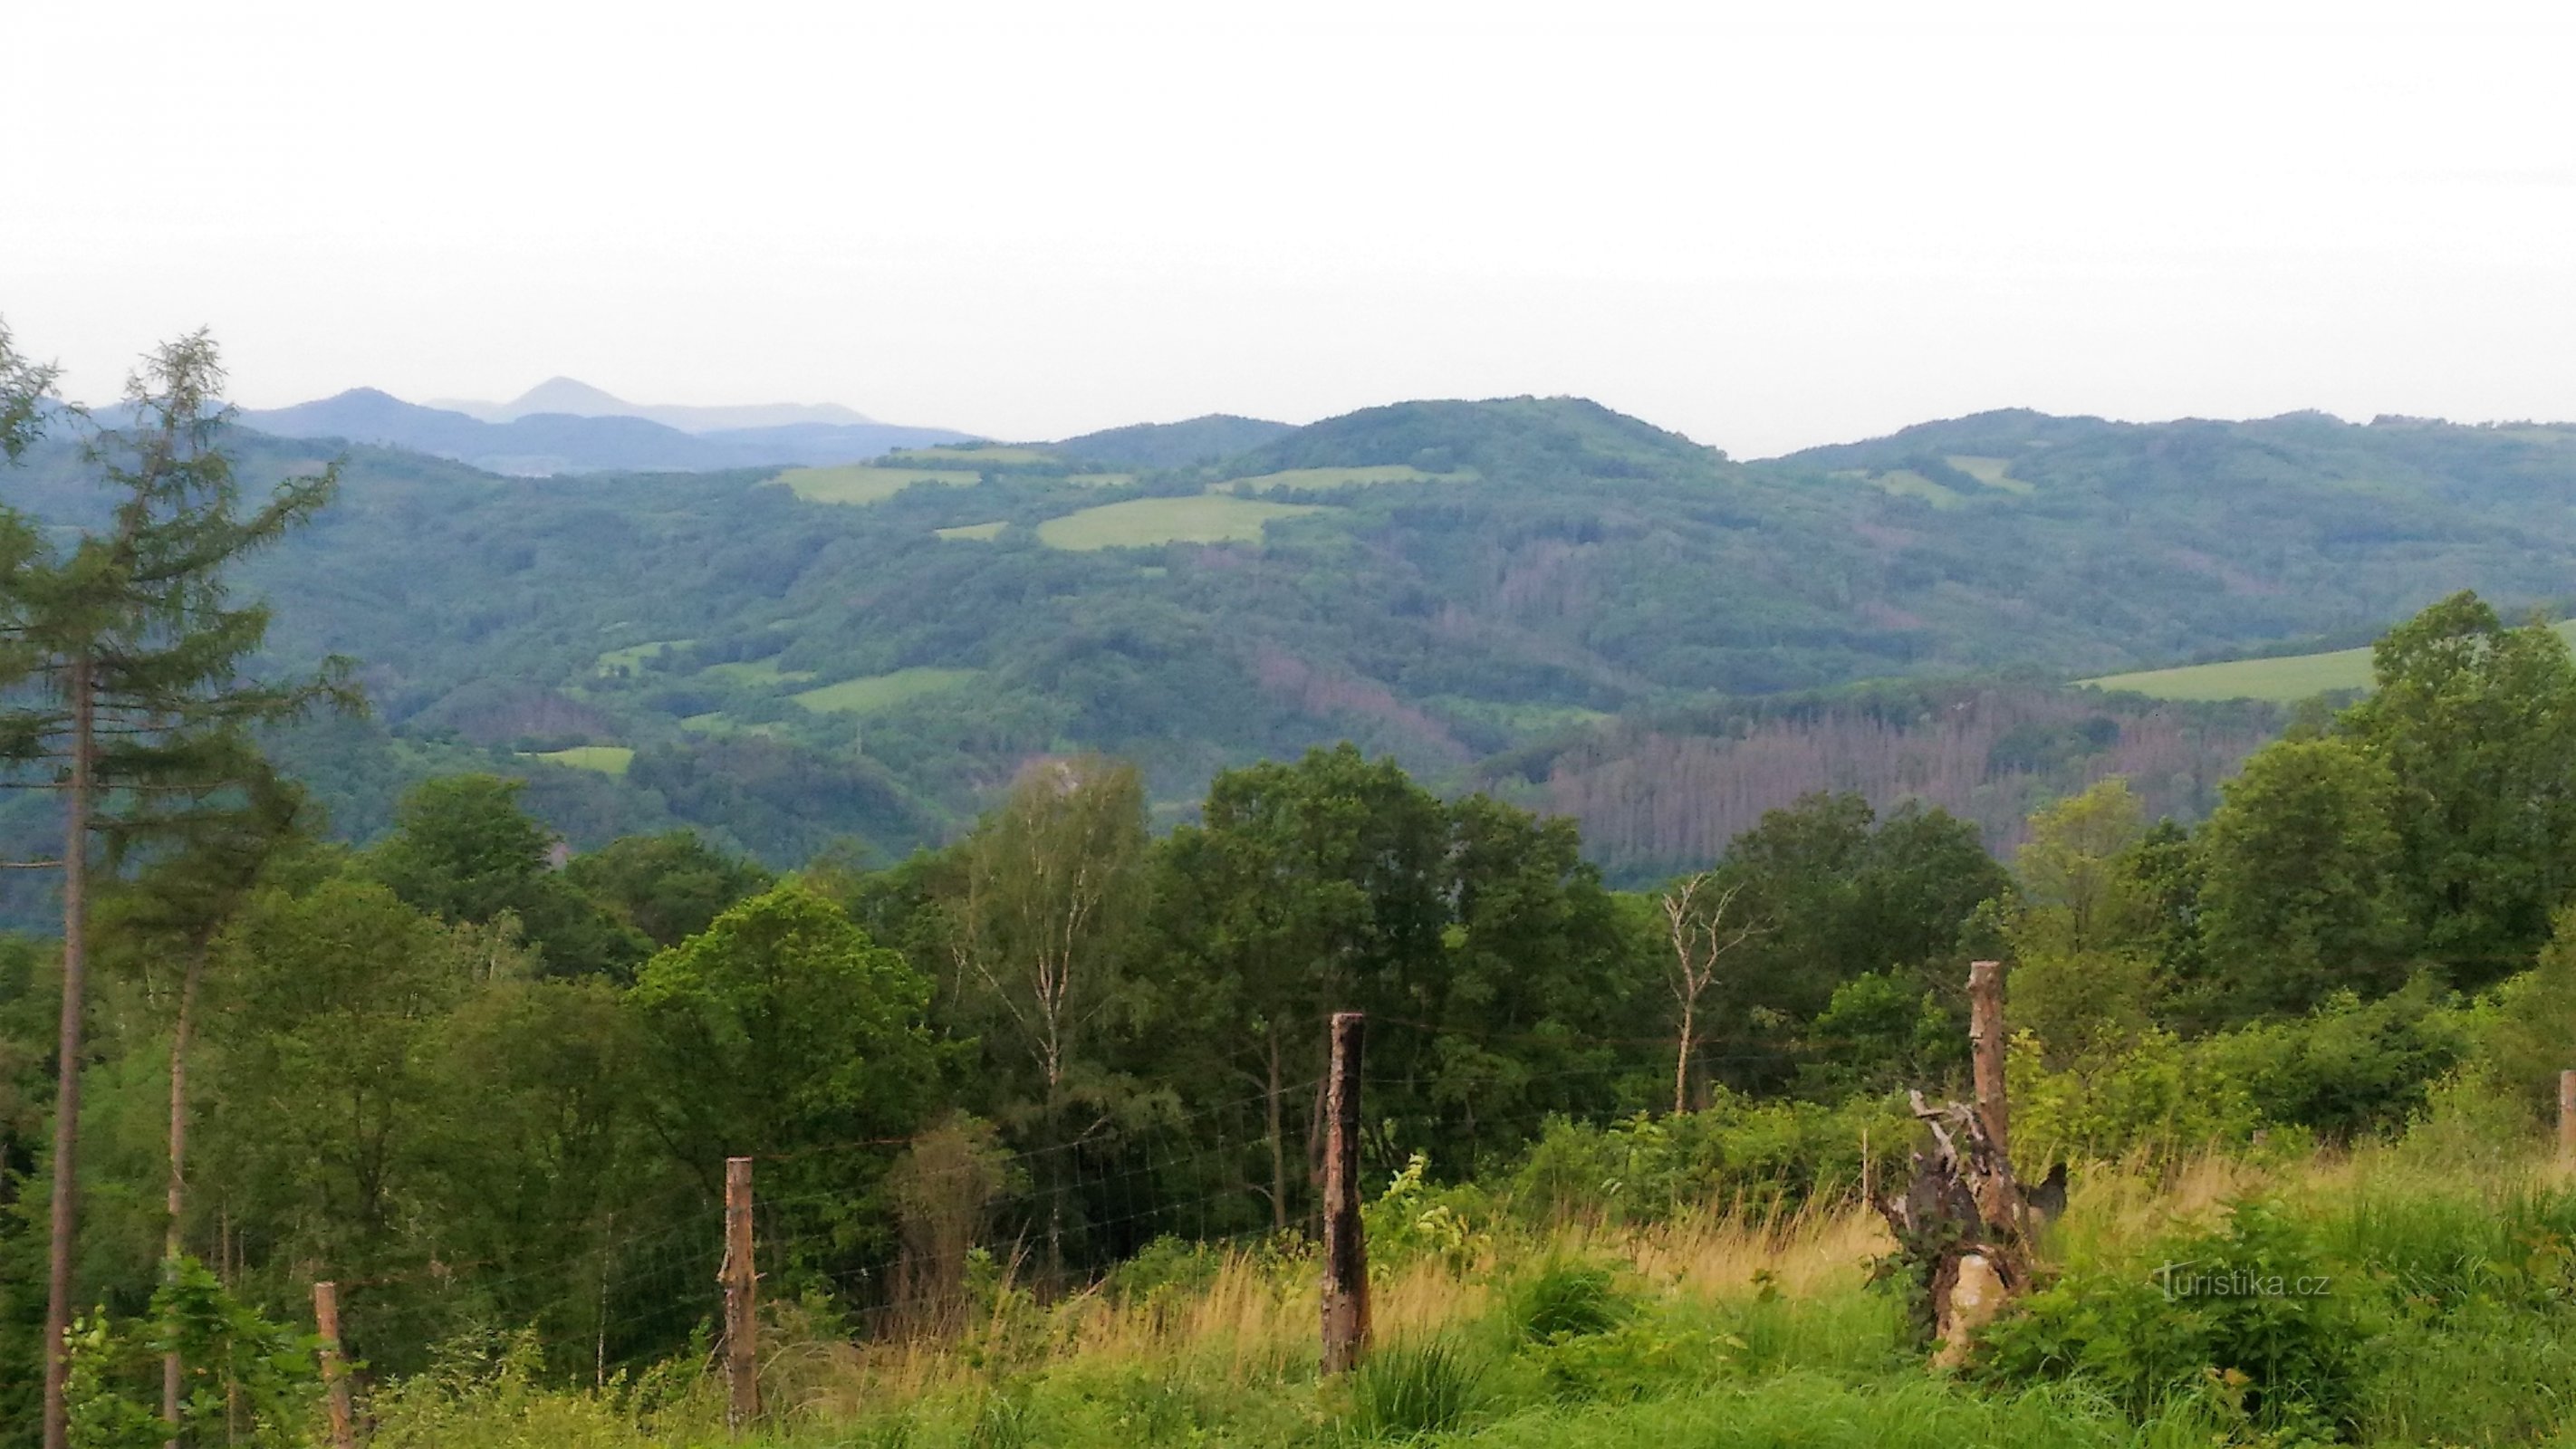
(130, 700)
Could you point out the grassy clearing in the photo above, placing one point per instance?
(606, 759)
(1906, 483)
(632, 657)
(954, 457)
(756, 672)
(1101, 480)
(880, 691)
(863, 483)
(1341, 478)
(1143, 522)
(1993, 472)
(1716, 1329)
(2286, 680)
(716, 722)
(974, 530)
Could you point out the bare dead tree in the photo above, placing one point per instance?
(1696, 916)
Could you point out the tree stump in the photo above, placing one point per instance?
(1961, 1227)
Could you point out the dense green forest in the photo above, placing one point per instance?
(1071, 1045)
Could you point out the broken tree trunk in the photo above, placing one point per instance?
(1960, 1221)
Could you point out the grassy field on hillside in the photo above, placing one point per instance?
(606, 759)
(2285, 680)
(1142, 522)
(2434, 1324)
(973, 530)
(879, 691)
(756, 671)
(1993, 472)
(867, 483)
(632, 657)
(716, 722)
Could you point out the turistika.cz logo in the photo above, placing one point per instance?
(2196, 1280)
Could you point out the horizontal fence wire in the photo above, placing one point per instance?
(1111, 1189)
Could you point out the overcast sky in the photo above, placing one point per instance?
(1765, 225)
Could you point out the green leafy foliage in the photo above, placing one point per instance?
(249, 1379)
(2247, 1316)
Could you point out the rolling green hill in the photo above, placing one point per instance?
(1544, 594)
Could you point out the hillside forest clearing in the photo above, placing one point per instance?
(864, 483)
(1144, 522)
(881, 691)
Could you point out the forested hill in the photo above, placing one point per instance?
(1540, 595)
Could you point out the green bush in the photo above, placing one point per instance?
(1735, 1154)
(2254, 1316)
(2152, 1094)
(2350, 1068)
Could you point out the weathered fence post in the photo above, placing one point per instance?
(2567, 1116)
(741, 1289)
(1346, 1287)
(1986, 1051)
(335, 1372)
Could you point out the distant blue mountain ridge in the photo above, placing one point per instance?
(537, 444)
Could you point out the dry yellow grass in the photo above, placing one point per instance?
(1253, 1320)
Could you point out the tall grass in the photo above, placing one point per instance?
(1718, 1328)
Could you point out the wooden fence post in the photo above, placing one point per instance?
(335, 1373)
(1346, 1287)
(741, 1290)
(2567, 1116)
(1986, 1052)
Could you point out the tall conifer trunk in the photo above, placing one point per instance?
(76, 829)
(172, 1369)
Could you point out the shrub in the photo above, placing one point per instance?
(1733, 1154)
(2151, 1094)
(2251, 1316)
(1412, 1219)
(2349, 1068)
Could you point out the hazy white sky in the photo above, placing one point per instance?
(1765, 225)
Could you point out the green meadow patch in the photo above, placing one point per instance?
(716, 722)
(632, 657)
(2285, 680)
(606, 759)
(1993, 472)
(973, 530)
(1300, 478)
(757, 671)
(881, 691)
(1101, 480)
(868, 483)
(1144, 522)
(1906, 483)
